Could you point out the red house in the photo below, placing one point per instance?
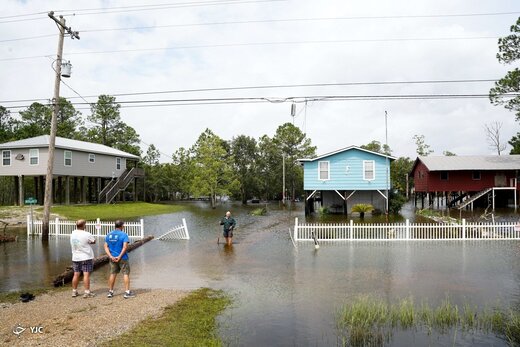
(449, 181)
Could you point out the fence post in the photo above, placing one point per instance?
(98, 230)
(463, 228)
(351, 230)
(28, 225)
(56, 226)
(295, 229)
(185, 228)
(142, 228)
(407, 228)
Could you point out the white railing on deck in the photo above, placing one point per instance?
(406, 231)
(97, 228)
(179, 232)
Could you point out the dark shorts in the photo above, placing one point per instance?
(83, 266)
(121, 266)
(228, 233)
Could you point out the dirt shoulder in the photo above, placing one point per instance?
(16, 216)
(68, 321)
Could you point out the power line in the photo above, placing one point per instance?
(250, 44)
(296, 99)
(23, 15)
(312, 19)
(274, 86)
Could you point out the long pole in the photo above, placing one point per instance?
(47, 202)
(283, 173)
(387, 164)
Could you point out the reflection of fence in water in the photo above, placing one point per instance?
(405, 231)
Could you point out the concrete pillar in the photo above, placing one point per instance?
(20, 190)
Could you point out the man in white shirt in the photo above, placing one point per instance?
(82, 257)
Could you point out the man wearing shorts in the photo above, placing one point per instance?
(229, 224)
(116, 244)
(82, 257)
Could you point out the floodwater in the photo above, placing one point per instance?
(287, 296)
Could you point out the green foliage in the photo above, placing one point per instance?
(515, 143)
(449, 154)
(8, 125)
(323, 210)
(245, 157)
(261, 211)
(212, 169)
(370, 321)
(362, 208)
(396, 202)
(423, 149)
(399, 171)
(189, 322)
(375, 146)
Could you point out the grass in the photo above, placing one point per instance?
(189, 322)
(370, 321)
(129, 210)
(261, 211)
(14, 296)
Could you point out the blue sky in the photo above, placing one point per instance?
(454, 125)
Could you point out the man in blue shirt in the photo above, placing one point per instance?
(116, 244)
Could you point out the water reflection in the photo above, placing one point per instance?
(288, 296)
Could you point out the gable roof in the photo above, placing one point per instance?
(344, 150)
(469, 162)
(63, 143)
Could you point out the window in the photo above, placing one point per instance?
(91, 158)
(6, 158)
(34, 156)
(369, 170)
(476, 175)
(323, 173)
(118, 163)
(444, 175)
(67, 158)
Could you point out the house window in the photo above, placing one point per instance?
(476, 175)
(34, 156)
(369, 170)
(91, 158)
(444, 175)
(67, 158)
(6, 158)
(118, 163)
(323, 170)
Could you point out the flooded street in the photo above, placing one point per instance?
(283, 296)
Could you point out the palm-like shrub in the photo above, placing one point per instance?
(362, 208)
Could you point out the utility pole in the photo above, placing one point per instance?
(47, 202)
(387, 165)
(283, 173)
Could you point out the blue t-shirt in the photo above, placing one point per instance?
(115, 240)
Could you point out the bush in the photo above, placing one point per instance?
(396, 202)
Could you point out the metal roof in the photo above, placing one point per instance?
(478, 162)
(343, 150)
(63, 143)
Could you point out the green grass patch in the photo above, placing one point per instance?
(127, 210)
(261, 211)
(189, 322)
(14, 296)
(370, 321)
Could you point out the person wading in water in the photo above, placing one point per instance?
(229, 224)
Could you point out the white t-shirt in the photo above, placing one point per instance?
(79, 242)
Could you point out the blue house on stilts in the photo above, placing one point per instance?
(341, 179)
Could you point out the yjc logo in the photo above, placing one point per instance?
(19, 329)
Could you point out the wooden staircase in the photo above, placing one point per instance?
(115, 186)
(474, 197)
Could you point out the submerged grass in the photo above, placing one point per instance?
(261, 211)
(125, 210)
(189, 322)
(368, 321)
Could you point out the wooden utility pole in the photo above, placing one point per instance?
(47, 202)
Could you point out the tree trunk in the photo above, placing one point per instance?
(67, 275)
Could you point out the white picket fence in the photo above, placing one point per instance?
(179, 232)
(406, 231)
(97, 228)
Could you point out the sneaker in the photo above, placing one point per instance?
(89, 295)
(110, 294)
(74, 293)
(129, 294)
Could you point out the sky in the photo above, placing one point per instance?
(209, 44)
